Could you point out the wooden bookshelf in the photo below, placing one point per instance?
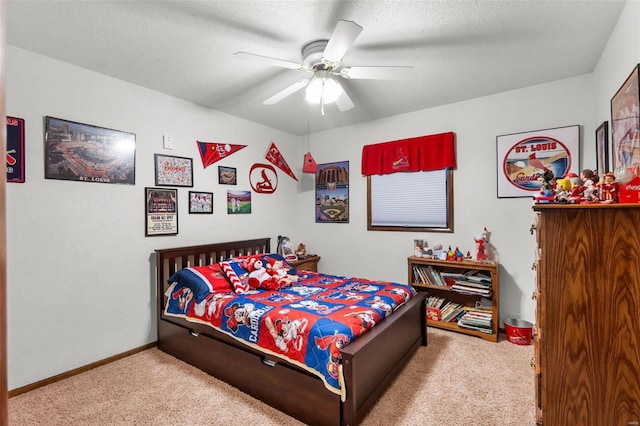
(428, 283)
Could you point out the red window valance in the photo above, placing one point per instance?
(432, 152)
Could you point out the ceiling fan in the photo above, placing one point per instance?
(322, 58)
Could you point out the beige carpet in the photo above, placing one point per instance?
(456, 380)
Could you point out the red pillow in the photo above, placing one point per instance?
(214, 275)
(202, 280)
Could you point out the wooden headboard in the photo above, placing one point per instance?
(170, 260)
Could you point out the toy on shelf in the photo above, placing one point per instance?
(589, 178)
(547, 192)
(480, 240)
(609, 188)
(563, 188)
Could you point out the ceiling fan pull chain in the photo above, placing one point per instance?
(322, 98)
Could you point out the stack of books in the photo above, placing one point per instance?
(426, 274)
(478, 317)
(451, 311)
(476, 320)
(473, 282)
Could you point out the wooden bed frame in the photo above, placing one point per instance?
(369, 364)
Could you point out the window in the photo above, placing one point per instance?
(411, 201)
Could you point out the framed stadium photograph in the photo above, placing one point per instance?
(87, 153)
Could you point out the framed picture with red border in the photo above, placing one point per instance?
(15, 150)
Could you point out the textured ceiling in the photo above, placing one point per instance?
(459, 49)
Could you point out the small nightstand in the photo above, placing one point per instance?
(308, 263)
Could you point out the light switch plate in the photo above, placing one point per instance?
(167, 142)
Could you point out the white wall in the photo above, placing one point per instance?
(582, 100)
(476, 124)
(80, 279)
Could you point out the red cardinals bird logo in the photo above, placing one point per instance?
(534, 162)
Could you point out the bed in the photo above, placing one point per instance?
(368, 364)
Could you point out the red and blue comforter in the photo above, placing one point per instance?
(306, 324)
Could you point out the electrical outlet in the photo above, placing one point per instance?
(167, 142)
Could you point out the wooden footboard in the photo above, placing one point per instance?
(369, 364)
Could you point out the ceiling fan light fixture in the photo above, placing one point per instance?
(323, 88)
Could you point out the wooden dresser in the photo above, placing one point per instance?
(307, 263)
(587, 337)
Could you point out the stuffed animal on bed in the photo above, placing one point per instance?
(276, 268)
(268, 279)
(257, 272)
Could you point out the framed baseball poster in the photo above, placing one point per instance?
(161, 208)
(524, 158)
(332, 192)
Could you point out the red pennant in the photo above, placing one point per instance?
(273, 155)
(210, 152)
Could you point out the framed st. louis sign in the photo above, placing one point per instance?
(15, 149)
(523, 158)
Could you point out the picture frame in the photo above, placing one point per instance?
(227, 175)
(238, 202)
(625, 122)
(332, 193)
(602, 148)
(523, 159)
(161, 208)
(173, 171)
(200, 202)
(87, 153)
(15, 150)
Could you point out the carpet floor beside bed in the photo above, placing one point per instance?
(456, 380)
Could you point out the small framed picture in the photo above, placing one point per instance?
(227, 175)
(602, 148)
(161, 208)
(625, 122)
(238, 202)
(200, 202)
(173, 171)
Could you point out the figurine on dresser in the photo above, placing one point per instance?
(609, 189)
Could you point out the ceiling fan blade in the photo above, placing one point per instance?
(288, 91)
(341, 40)
(344, 102)
(267, 60)
(378, 73)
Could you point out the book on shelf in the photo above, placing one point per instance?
(480, 329)
(479, 321)
(479, 279)
(460, 288)
(426, 274)
(435, 301)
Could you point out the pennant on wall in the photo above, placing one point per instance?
(273, 155)
(15, 149)
(210, 152)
